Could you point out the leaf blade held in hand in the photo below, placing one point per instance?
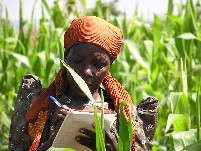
(81, 83)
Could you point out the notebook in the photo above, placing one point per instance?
(75, 120)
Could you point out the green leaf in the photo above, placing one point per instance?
(180, 105)
(47, 7)
(149, 47)
(198, 108)
(20, 58)
(154, 72)
(157, 34)
(183, 107)
(27, 40)
(180, 124)
(170, 6)
(50, 64)
(170, 65)
(171, 120)
(193, 147)
(102, 115)
(100, 143)
(135, 53)
(125, 130)
(80, 82)
(182, 139)
(5, 119)
(149, 90)
(176, 20)
(174, 99)
(58, 149)
(83, 3)
(187, 36)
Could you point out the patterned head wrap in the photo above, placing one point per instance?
(97, 31)
(89, 29)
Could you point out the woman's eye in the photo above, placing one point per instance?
(77, 61)
(98, 65)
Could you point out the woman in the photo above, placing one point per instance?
(91, 45)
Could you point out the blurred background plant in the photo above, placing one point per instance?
(159, 58)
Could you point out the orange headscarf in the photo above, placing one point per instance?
(89, 29)
(97, 31)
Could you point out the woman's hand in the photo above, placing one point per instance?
(63, 111)
(90, 141)
(47, 144)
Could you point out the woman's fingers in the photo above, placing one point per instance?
(110, 141)
(88, 133)
(63, 111)
(65, 107)
(86, 141)
(61, 116)
(90, 140)
(109, 136)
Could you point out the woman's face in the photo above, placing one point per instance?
(90, 62)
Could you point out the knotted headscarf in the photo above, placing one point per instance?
(97, 31)
(89, 29)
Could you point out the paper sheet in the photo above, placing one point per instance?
(71, 125)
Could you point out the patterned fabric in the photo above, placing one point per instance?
(97, 31)
(144, 117)
(119, 94)
(29, 89)
(35, 130)
(43, 103)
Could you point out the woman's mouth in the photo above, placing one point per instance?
(89, 85)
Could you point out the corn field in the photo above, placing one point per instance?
(160, 58)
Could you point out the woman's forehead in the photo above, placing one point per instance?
(83, 49)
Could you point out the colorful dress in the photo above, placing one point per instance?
(144, 117)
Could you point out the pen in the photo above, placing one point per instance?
(55, 101)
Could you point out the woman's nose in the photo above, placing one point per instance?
(88, 71)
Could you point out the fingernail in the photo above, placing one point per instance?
(81, 130)
(64, 106)
(77, 139)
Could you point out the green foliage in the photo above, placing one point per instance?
(193, 147)
(100, 139)
(160, 58)
(183, 138)
(125, 131)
